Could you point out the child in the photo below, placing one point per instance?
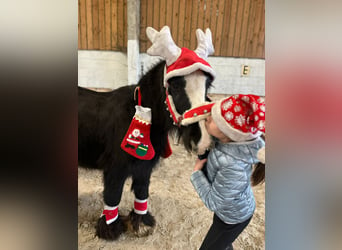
(236, 123)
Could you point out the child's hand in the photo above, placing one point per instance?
(199, 164)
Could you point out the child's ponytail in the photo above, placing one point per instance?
(258, 175)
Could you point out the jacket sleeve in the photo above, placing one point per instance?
(222, 191)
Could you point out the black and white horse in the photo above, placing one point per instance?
(104, 118)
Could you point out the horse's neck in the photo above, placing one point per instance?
(152, 88)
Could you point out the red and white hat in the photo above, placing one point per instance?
(187, 62)
(240, 117)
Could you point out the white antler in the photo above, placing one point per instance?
(163, 44)
(205, 45)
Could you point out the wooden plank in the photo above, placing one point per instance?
(121, 23)
(163, 13)
(143, 24)
(102, 28)
(124, 33)
(181, 9)
(149, 17)
(232, 25)
(260, 49)
(95, 12)
(244, 28)
(256, 28)
(156, 14)
(249, 40)
(79, 34)
(201, 14)
(90, 44)
(168, 14)
(215, 10)
(174, 20)
(238, 24)
(207, 14)
(149, 13)
(187, 24)
(108, 25)
(217, 32)
(225, 30)
(81, 16)
(114, 18)
(193, 27)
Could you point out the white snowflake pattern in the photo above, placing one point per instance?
(256, 117)
(245, 98)
(261, 114)
(254, 106)
(229, 116)
(237, 108)
(240, 120)
(227, 105)
(261, 125)
(262, 107)
(260, 100)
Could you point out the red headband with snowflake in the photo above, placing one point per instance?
(240, 117)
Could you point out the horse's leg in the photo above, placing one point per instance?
(110, 225)
(140, 221)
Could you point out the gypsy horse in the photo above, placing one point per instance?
(169, 89)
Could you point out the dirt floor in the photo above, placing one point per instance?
(182, 219)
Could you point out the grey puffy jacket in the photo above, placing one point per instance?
(227, 189)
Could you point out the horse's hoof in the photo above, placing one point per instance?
(111, 231)
(140, 225)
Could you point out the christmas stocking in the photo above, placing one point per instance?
(137, 139)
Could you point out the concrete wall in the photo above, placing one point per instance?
(105, 69)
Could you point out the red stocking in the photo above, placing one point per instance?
(137, 139)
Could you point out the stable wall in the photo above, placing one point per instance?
(107, 69)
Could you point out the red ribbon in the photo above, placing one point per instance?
(140, 207)
(110, 214)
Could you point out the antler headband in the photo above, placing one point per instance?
(181, 62)
(164, 46)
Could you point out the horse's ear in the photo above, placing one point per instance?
(205, 45)
(163, 44)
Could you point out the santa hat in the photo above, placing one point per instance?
(181, 61)
(187, 62)
(240, 117)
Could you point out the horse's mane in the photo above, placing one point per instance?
(154, 69)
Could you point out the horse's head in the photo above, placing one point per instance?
(187, 79)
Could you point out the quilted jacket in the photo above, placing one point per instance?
(226, 190)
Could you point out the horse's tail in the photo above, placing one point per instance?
(258, 175)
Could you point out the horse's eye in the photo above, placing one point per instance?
(177, 82)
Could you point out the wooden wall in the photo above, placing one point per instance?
(238, 27)
(102, 25)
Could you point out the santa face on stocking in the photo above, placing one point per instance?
(134, 142)
(134, 138)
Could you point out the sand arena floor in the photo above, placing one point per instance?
(182, 220)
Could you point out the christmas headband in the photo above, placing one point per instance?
(181, 61)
